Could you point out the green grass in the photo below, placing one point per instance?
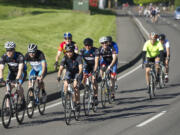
(45, 27)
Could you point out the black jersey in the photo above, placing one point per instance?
(13, 63)
(72, 64)
(89, 55)
(107, 53)
(36, 62)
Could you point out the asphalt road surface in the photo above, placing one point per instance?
(132, 113)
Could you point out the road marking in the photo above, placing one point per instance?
(128, 73)
(140, 24)
(151, 119)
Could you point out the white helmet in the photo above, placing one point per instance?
(103, 39)
(9, 45)
(32, 48)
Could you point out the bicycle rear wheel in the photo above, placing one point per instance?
(6, 112)
(30, 100)
(19, 110)
(86, 101)
(67, 108)
(103, 94)
(161, 80)
(42, 104)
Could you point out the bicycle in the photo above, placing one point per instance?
(88, 101)
(152, 81)
(12, 105)
(69, 106)
(62, 93)
(35, 97)
(106, 91)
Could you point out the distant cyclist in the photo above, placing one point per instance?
(153, 15)
(38, 64)
(17, 68)
(152, 52)
(90, 56)
(108, 58)
(166, 45)
(74, 68)
(67, 40)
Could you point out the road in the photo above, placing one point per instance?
(132, 113)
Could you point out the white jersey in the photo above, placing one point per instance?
(166, 45)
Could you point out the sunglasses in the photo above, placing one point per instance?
(67, 38)
(104, 42)
(9, 50)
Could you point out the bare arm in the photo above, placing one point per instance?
(114, 60)
(168, 52)
(43, 68)
(80, 68)
(20, 70)
(96, 63)
(60, 71)
(1, 70)
(58, 55)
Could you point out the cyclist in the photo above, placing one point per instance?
(140, 9)
(90, 56)
(17, 68)
(67, 40)
(74, 68)
(108, 61)
(112, 44)
(153, 15)
(166, 45)
(38, 64)
(152, 52)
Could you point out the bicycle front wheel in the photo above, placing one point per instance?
(67, 108)
(161, 80)
(103, 94)
(30, 103)
(86, 101)
(151, 87)
(6, 112)
(19, 110)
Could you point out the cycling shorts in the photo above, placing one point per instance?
(12, 76)
(113, 69)
(71, 76)
(36, 73)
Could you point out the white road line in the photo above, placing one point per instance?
(128, 73)
(140, 24)
(151, 119)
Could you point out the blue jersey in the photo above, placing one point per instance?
(115, 46)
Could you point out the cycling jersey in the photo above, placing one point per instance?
(36, 62)
(63, 45)
(72, 64)
(166, 45)
(106, 55)
(152, 50)
(89, 55)
(13, 63)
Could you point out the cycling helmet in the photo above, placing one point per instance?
(88, 41)
(103, 39)
(162, 37)
(109, 38)
(9, 45)
(153, 35)
(32, 48)
(67, 35)
(69, 48)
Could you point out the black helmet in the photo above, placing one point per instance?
(32, 48)
(109, 38)
(88, 41)
(69, 48)
(162, 37)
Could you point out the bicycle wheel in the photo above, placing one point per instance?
(30, 103)
(6, 112)
(151, 87)
(109, 92)
(19, 110)
(86, 101)
(42, 104)
(67, 108)
(103, 94)
(62, 96)
(77, 113)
